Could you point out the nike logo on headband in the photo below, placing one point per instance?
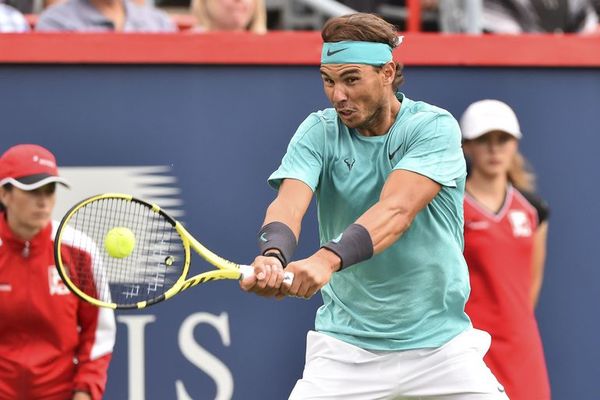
(332, 52)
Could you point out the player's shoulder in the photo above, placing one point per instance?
(326, 116)
(320, 121)
(423, 118)
(422, 110)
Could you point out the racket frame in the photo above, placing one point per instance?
(226, 269)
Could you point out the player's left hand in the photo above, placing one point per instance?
(311, 274)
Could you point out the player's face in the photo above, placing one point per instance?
(29, 211)
(492, 154)
(231, 15)
(357, 92)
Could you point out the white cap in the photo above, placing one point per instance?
(485, 116)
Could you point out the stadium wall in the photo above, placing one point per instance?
(197, 122)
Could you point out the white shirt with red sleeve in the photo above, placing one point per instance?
(51, 342)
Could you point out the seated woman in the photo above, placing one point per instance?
(104, 15)
(230, 15)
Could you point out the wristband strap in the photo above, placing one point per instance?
(271, 253)
(354, 245)
(279, 236)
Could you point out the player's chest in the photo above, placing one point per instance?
(357, 165)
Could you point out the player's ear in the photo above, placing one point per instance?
(388, 71)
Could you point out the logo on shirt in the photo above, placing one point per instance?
(349, 163)
(520, 223)
(5, 287)
(57, 286)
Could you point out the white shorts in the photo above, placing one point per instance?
(337, 370)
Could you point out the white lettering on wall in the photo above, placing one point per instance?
(136, 325)
(201, 358)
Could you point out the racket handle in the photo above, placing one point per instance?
(248, 270)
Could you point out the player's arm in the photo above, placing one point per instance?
(404, 194)
(290, 205)
(288, 209)
(539, 260)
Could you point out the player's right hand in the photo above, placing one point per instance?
(267, 279)
(311, 274)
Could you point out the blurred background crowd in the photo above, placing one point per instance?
(260, 16)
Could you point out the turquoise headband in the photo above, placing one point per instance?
(351, 52)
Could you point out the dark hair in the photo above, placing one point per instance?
(363, 27)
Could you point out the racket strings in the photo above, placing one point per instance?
(154, 265)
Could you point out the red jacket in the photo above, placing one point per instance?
(51, 343)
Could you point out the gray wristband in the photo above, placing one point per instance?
(277, 235)
(352, 246)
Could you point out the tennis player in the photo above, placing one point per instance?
(52, 345)
(389, 176)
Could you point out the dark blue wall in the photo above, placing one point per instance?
(223, 130)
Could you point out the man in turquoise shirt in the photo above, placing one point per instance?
(389, 177)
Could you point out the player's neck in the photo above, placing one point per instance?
(384, 121)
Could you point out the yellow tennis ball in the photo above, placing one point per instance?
(119, 242)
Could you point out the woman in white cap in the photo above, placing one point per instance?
(52, 345)
(505, 246)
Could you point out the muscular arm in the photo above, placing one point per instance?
(539, 259)
(289, 207)
(404, 194)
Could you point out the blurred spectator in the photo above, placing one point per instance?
(538, 16)
(31, 6)
(396, 11)
(11, 20)
(53, 346)
(104, 15)
(368, 6)
(373, 6)
(506, 227)
(230, 15)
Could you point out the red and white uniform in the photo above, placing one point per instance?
(51, 343)
(499, 250)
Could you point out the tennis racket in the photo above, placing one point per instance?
(153, 262)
